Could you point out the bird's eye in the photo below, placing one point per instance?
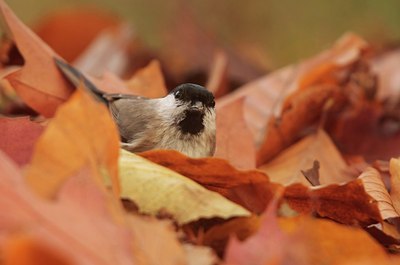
(212, 103)
(178, 95)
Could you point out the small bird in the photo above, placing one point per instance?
(184, 120)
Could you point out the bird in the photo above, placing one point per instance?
(183, 120)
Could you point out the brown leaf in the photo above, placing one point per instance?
(287, 166)
(251, 189)
(395, 183)
(271, 90)
(18, 137)
(234, 140)
(386, 67)
(39, 83)
(304, 240)
(348, 203)
(73, 139)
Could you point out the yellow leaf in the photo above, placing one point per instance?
(154, 188)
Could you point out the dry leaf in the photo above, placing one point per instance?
(70, 31)
(374, 186)
(395, 183)
(218, 80)
(304, 240)
(154, 188)
(251, 189)
(18, 137)
(287, 166)
(386, 67)
(271, 90)
(234, 140)
(348, 203)
(39, 83)
(148, 82)
(82, 133)
(107, 52)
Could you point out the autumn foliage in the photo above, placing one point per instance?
(306, 169)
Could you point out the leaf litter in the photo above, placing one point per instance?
(294, 180)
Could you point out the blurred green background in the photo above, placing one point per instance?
(284, 31)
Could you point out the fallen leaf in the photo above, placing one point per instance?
(303, 112)
(347, 203)
(250, 189)
(271, 91)
(22, 249)
(18, 137)
(234, 141)
(217, 82)
(305, 240)
(386, 67)
(38, 83)
(97, 217)
(395, 183)
(81, 133)
(108, 52)
(70, 31)
(154, 188)
(148, 82)
(287, 166)
(374, 186)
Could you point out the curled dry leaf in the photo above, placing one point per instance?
(265, 96)
(347, 203)
(71, 140)
(155, 188)
(375, 187)
(395, 183)
(304, 110)
(305, 240)
(38, 83)
(251, 189)
(18, 137)
(234, 140)
(287, 166)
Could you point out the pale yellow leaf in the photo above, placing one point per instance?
(154, 188)
(395, 183)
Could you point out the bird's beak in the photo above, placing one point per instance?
(198, 106)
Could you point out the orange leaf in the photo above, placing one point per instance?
(82, 133)
(25, 250)
(304, 240)
(148, 82)
(251, 189)
(348, 203)
(234, 141)
(38, 83)
(287, 166)
(303, 111)
(81, 222)
(18, 137)
(70, 31)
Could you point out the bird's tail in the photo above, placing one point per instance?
(77, 78)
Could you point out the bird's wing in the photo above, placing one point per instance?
(136, 120)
